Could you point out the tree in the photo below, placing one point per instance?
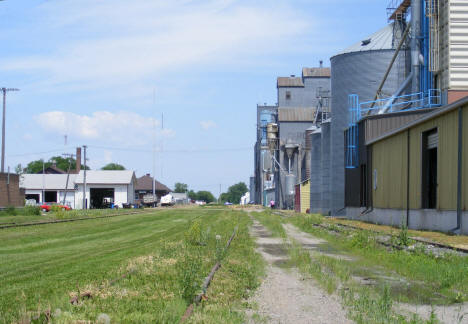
(113, 166)
(19, 169)
(180, 187)
(61, 163)
(234, 193)
(205, 196)
(192, 195)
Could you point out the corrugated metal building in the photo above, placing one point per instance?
(432, 193)
(358, 179)
(305, 196)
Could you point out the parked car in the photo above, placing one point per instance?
(47, 206)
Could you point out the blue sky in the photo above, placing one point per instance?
(103, 72)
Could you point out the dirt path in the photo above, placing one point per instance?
(285, 296)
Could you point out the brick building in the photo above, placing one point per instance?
(10, 193)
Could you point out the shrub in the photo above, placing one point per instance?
(10, 210)
(32, 210)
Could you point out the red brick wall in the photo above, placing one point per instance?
(10, 194)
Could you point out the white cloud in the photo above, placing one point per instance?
(120, 42)
(120, 127)
(207, 124)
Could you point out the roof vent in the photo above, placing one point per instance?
(366, 42)
(321, 64)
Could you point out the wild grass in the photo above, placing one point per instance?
(443, 278)
(160, 260)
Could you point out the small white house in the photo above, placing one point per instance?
(104, 185)
(49, 188)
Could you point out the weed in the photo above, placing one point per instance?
(362, 240)
(10, 210)
(403, 239)
(31, 210)
(194, 235)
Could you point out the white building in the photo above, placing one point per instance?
(49, 188)
(117, 185)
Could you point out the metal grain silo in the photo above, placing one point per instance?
(325, 168)
(315, 172)
(359, 70)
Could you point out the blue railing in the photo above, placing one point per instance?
(352, 134)
(409, 102)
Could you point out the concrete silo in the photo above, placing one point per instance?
(359, 70)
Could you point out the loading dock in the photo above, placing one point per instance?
(50, 196)
(98, 195)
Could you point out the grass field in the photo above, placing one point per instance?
(165, 255)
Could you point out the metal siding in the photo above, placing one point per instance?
(465, 160)
(446, 161)
(454, 44)
(315, 190)
(305, 196)
(389, 159)
(325, 168)
(378, 127)
(296, 114)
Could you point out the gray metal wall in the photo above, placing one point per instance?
(311, 85)
(303, 96)
(355, 73)
(325, 168)
(316, 172)
(252, 189)
(297, 97)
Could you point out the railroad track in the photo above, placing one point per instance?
(387, 244)
(13, 225)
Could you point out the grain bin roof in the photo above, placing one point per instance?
(288, 82)
(380, 40)
(47, 181)
(316, 72)
(296, 114)
(107, 177)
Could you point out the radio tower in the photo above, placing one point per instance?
(4, 90)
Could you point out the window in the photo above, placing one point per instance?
(288, 95)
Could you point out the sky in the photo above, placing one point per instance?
(181, 78)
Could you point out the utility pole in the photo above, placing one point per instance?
(70, 157)
(84, 179)
(4, 90)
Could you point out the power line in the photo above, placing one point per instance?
(127, 149)
(36, 153)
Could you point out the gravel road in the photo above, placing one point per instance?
(285, 296)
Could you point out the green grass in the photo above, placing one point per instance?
(41, 267)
